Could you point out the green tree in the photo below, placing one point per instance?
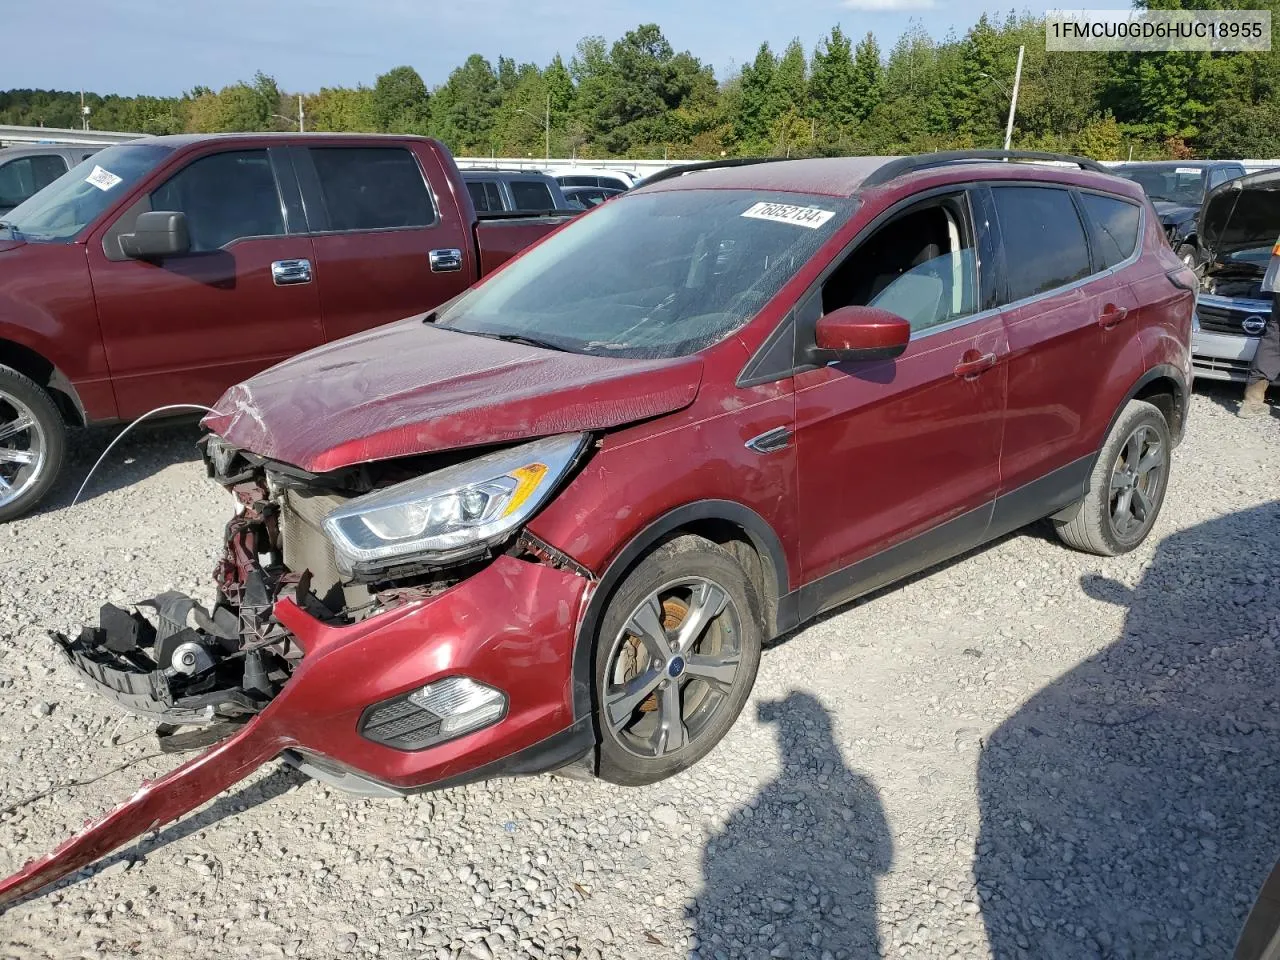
(867, 86)
(831, 85)
(342, 110)
(759, 103)
(400, 102)
(464, 108)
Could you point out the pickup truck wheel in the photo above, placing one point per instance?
(1128, 485)
(33, 439)
(676, 657)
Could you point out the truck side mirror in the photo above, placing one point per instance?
(158, 234)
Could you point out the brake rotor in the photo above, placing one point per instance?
(674, 610)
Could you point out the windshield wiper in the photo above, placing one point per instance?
(6, 225)
(510, 338)
(527, 341)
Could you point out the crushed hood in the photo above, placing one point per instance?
(1242, 214)
(411, 388)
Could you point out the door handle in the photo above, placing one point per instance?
(285, 273)
(973, 365)
(446, 261)
(1111, 315)
(769, 441)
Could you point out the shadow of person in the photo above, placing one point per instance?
(1132, 807)
(793, 873)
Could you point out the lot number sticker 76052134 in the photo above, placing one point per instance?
(811, 217)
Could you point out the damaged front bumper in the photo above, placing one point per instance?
(510, 627)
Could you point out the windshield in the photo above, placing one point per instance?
(653, 274)
(1184, 185)
(65, 207)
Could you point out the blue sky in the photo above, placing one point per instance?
(167, 46)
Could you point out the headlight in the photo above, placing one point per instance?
(451, 513)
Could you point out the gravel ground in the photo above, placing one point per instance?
(1027, 753)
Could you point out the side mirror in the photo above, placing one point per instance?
(160, 233)
(862, 333)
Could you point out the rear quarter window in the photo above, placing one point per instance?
(531, 195)
(372, 188)
(1044, 240)
(1115, 225)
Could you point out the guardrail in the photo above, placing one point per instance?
(10, 135)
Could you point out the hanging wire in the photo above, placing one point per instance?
(120, 436)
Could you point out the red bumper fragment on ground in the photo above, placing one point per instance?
(510, 626)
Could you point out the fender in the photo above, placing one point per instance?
(36, 365)
(763, 538)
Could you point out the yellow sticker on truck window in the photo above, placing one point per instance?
(811, 217)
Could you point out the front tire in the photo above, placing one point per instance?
(33, 441)
(675, 659)
(1127, 487)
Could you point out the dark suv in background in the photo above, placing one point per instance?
(1178, 188)
(513, 191)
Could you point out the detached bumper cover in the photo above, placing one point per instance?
(511, 626)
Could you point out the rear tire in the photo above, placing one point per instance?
(1127, 487)
(665, 696)
(33, 441)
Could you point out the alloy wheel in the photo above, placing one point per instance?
(672, 667)
(1135, 482)
(22, 449)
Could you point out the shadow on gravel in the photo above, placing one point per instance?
(148, 449)
(1132, 808)
(275, 784)
(799, 864)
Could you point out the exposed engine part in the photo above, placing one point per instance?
(190, 658)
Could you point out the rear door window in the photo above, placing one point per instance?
(226, 196)
(531, 195)
(372, 188)
(1115, 225)
(576, 180)
(1044, 240)
(27, 176)
(484, 196)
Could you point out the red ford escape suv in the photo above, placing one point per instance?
(554, 522)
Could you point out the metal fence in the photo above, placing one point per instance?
(10, 136)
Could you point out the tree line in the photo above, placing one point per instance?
(637, 97)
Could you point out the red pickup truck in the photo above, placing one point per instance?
(164, 270)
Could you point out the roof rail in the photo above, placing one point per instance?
(901, 166)
(681, 169)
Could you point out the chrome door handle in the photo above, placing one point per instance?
(446, 261)
(770, 440)
(285, 273)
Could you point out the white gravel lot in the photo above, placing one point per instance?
(1026, 753)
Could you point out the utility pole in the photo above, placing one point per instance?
(1013, 101)
(548, 127)
(84, 111)
(301, 126)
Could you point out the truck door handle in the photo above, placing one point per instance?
(1111, 315)
(446, 261)
(285, 273)
(973, 364)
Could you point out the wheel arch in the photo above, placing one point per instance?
(746, 534)
(45, 373)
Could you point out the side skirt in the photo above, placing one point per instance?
(1033, 501)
